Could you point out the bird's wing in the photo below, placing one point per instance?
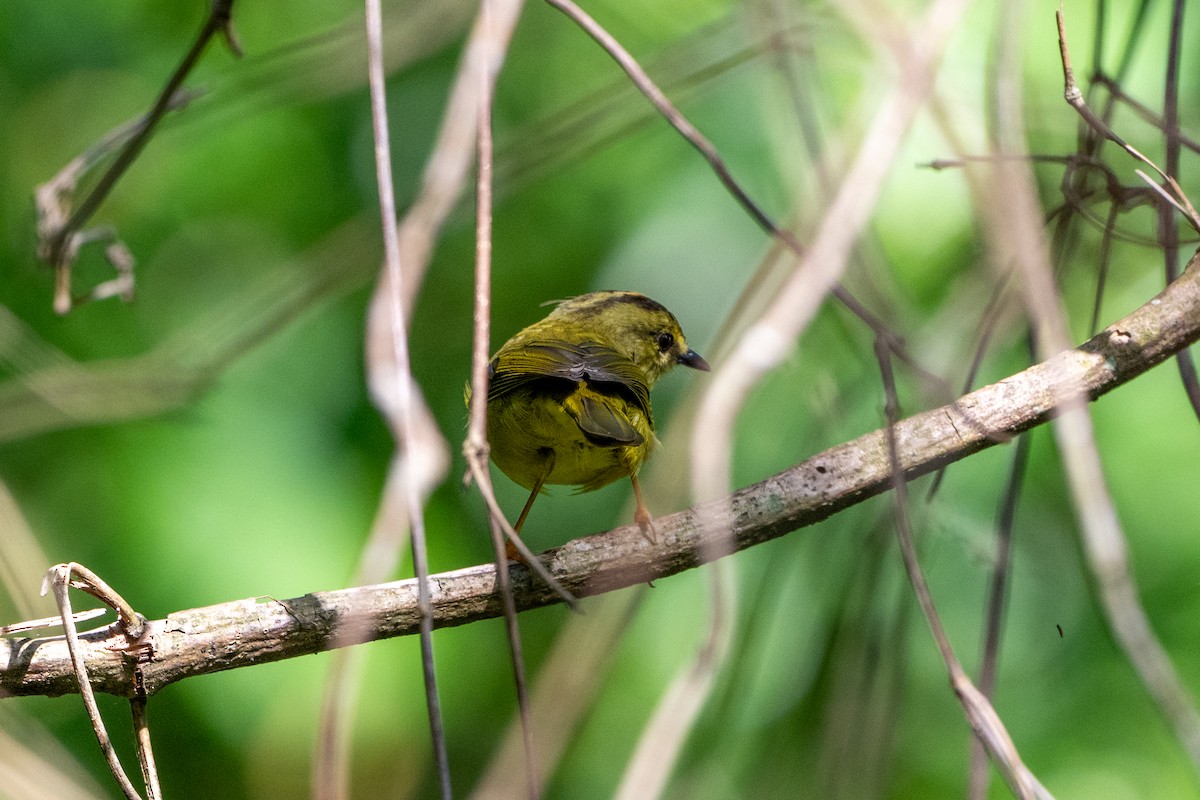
(597, 364)
(600, 421)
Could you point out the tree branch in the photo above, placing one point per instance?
(257, 630)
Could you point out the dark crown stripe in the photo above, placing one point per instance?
(621, 298)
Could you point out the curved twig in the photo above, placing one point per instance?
(58, 580)
(57, 247)
(404, 421)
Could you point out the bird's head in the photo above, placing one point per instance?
(635, 326)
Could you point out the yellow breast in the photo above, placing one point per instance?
(567, 430)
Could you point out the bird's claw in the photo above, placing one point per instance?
(646, 524)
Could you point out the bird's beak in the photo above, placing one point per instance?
(694, 360)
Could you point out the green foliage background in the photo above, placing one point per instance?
(259, 472)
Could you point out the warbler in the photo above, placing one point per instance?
(569, 396)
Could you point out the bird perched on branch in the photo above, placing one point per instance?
(569, 396)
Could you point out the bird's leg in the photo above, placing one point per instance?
(537, 487)
(509, 549)
(641, 514)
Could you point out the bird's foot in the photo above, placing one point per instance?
(513, 554)
(646, 524)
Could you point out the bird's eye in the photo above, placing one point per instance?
(665, 341)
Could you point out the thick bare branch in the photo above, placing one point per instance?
(240, 633)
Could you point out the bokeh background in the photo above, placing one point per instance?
(214, 439)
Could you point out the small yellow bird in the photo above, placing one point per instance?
(569, 396)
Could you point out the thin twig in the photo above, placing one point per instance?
(765, 344)
(1170, 128)
(50, 622)
(604, 116)
(1105, 258)
(988, 727)
(662, 740)
(1103, 539)
(1141, 110)
(1166, 199)
(667, 109)
(447, 171)
(427, 462)
(219, 19)
(987, 328)
(569, 677)
(701, 144)
(404, 381)
(476, 445)
(1168, 231)
(54, 197)
(1074, 98)
(58, 580)
(134, 625)
(512, 631)
(997, 603)
(664, 735)
(331, 756)
(57, 248)
(91, 583)
(141, 732)
(482, 479)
